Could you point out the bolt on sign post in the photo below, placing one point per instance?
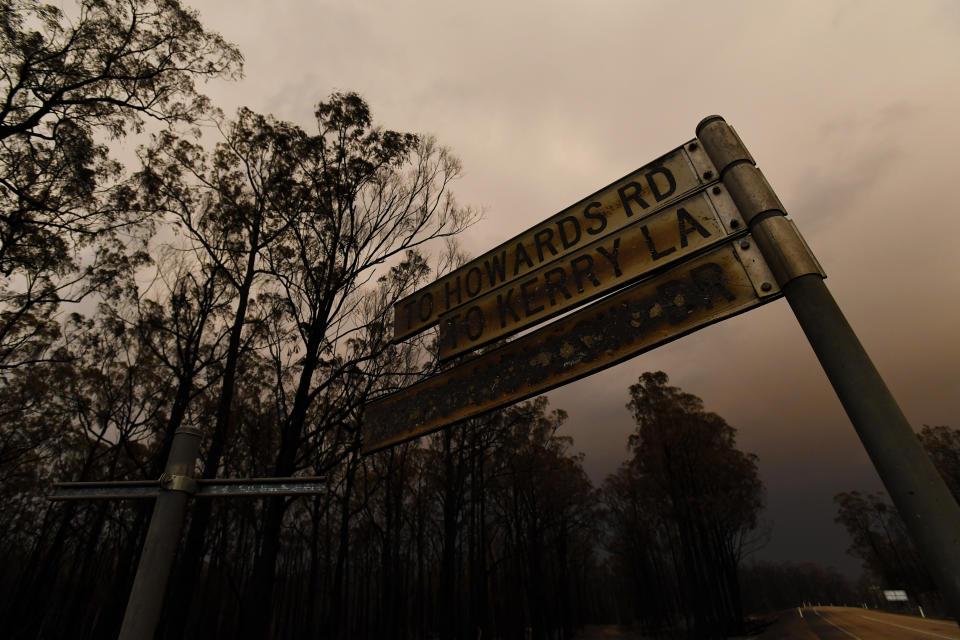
(673, 250)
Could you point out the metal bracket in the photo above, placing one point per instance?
(785, 249)
(175, 482)
(761, 277)
(751, 191)
(722, 143)
(726, 209)
(701, 162)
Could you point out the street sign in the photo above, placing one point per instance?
(666, 237)
(723, 282)
(895, 595)
(710, 286)
(646, 190)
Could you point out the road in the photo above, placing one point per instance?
(846, 623)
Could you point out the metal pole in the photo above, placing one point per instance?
(921, 496)
(150, 583)
(919, 493)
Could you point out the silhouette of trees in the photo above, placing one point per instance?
(682, 512)
(68, 85)
(773, 586)
(878, 535)
(943, 446)
(83, 396)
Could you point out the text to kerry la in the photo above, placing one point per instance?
(594, 269)
(637, 195)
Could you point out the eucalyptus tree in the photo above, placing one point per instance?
(70, 83)
(545, 506)
(375, 196)
(942, 444)
(225, 205)
(96, 418)
(692, 491)
(317, 235)
(878, 536)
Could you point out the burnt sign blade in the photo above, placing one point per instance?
(722, 282)
(648, 189)
(668, 236)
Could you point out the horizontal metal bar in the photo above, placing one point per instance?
(105, 490)
(218, 487)
(260, 487)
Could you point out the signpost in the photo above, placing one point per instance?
(666, 237)
(171, 493)
(595, 247)
(721, 283)
(648, 189)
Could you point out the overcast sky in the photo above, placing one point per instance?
(850, 109)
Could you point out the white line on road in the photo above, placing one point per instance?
(923, 631)
(835, 626)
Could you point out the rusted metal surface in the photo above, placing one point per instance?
(672, 234)
(646, 190)
(704, 290)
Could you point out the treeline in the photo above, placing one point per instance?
(770, 587)
(489, 528)
(878, 535)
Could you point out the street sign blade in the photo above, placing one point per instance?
(723, 282)
(663, 238)
(636, 195)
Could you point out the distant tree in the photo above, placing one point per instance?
(878, 534)
(71, 82)
(691, 494)
(773, 586)
(943, 446)
(641, 558)
(548, 508)
(879, 537)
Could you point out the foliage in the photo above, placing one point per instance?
(769, 587)
(942, 444)
(878, 534)
(71, 83)
(879, 537)
(682, 511)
